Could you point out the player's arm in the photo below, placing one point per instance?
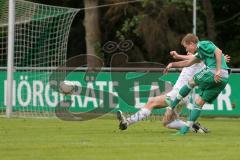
(175, 55)
(218, 55)
(181, 64)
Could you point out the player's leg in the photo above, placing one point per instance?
(184, 91)
(196, 108)
(199, 78)
(209, 90)
(194, 114)
(189, 101)
(171, 120)
(156, 102)
(177, 124)
(161, 101)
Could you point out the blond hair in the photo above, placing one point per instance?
(190, 38)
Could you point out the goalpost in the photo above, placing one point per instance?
(33, 43)
(11, 29)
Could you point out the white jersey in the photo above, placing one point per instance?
(187, 74)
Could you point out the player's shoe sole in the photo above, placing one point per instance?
(204, 130)
(199, 128)
(122, 119)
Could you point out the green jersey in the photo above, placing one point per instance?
(206, 53)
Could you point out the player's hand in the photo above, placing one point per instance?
(227, 58)
(174, 54)
(217, 76)
(165, 71)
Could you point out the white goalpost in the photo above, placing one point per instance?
(11, 29)
(33, 43)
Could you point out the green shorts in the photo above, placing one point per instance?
(209, 89)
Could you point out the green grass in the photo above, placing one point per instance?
(33, 139)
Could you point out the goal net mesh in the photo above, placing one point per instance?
(41, 37)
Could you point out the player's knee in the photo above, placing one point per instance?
(191, 83)
(156, 102)
(152, 102)
(169, 117)
(200, 102)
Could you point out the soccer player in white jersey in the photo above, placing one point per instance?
(171, 119)
(163, 100)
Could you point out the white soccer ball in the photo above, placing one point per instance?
(67, 87)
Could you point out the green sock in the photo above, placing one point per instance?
(183, 130)
(175, 103)
(194, 114)
(184, 91)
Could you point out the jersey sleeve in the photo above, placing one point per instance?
(206, 48)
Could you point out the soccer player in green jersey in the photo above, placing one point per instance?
(211, 80)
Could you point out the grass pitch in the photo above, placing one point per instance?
(100, 139)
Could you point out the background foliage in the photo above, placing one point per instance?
(156, 26)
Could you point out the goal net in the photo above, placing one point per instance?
(41, 37)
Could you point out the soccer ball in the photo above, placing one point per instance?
(67, 87)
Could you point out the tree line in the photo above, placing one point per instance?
(154, 26)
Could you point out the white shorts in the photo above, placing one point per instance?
(173, 94)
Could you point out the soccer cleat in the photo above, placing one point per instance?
(198, 128)
(195, 127)
(122, 119)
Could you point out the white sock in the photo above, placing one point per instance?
(140, 115)
(176, 124)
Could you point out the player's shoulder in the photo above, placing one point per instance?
(205, 42)
(206, 48)
(205, 45)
